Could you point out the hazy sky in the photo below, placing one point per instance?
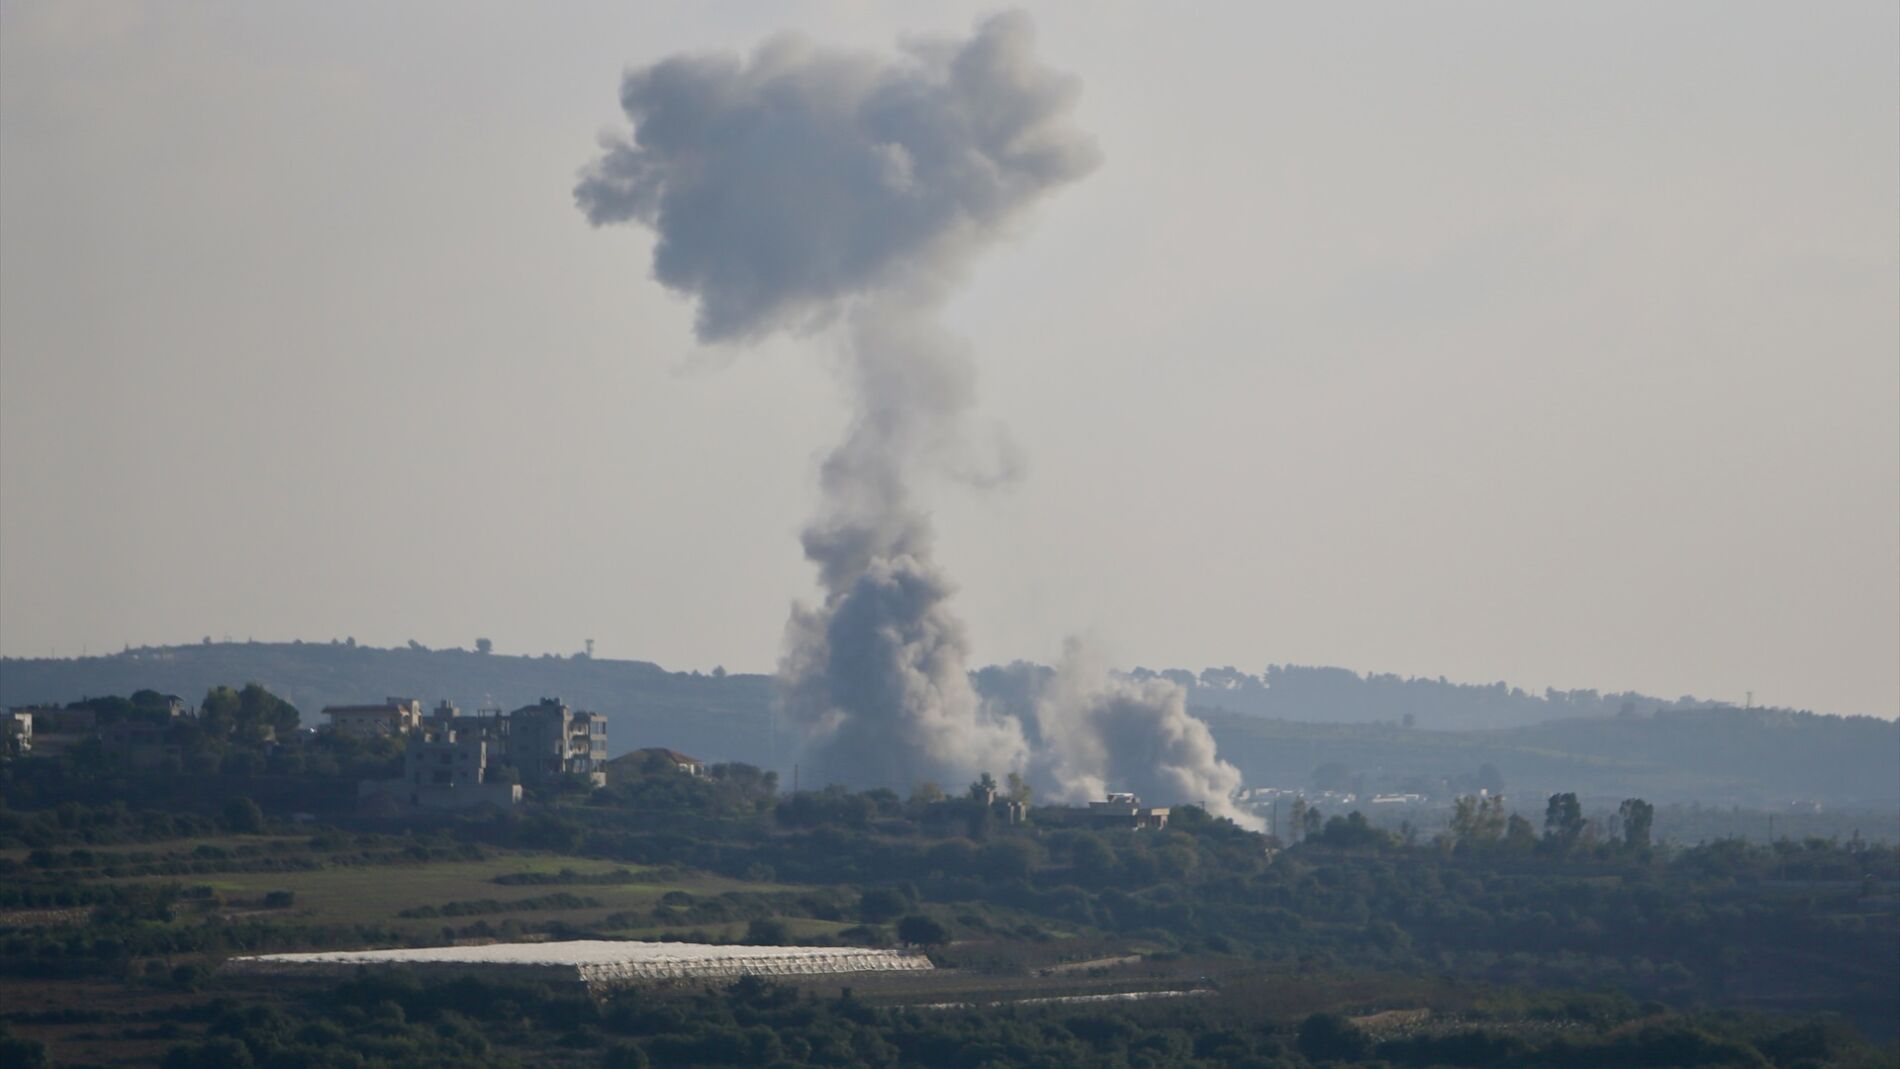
(1497, 341)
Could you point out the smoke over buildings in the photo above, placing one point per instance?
(1095, 732)
(800, 188)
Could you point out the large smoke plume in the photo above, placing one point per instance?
(803, 187)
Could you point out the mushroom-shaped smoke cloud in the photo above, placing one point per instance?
(802, 186)
(785, 185)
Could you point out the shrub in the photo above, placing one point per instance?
(242, 815)
(918, 930)
(881, 904)
(624, 1056)
(1325, 1036)
(766, 931)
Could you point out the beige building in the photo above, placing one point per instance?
(395, 716)
(640, 759)
(1120, 810)
(18, 738)
(442, 769)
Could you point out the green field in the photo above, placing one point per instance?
(369, 895)
(370, 882)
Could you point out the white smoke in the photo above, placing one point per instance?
(1097, 732)
(801, 187)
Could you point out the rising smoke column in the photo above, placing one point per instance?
(802, 187)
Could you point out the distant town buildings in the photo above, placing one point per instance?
(457, 761)
(451, 759)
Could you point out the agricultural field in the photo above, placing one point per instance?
(400, 896)
(114, 921)
(395, 885)
(195, 900)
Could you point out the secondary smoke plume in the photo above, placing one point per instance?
(801, 187)
(1095, 732)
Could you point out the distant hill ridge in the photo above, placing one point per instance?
(1340, 695)
(1752, 758)
(1277, 727)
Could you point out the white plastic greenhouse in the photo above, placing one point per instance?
(594, 962)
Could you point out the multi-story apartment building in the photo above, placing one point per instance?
(549, 740)
(490, 725)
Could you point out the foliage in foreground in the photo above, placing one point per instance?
(390, 1020)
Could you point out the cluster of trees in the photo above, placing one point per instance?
(1717, 922)
(76, 823)
(249, 714)
(388, 1020)
(1481, 822)
(189, 761)
(140, 704)
(1668, 922)
(731, 789)
(982, 806)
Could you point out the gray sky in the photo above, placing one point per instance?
(1500, 341)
